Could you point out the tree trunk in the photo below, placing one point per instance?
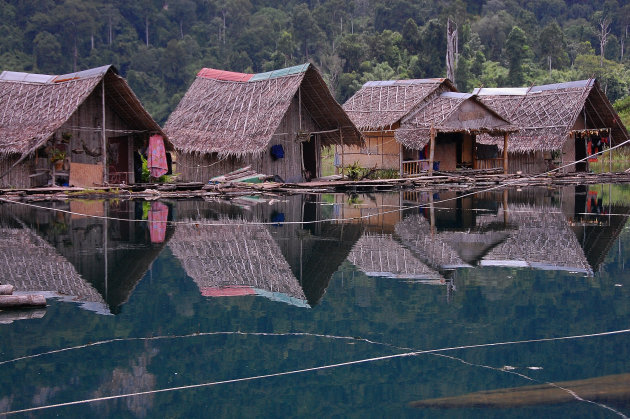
(181, 29)
(76, 55)
(146, 30)
(110, 30)
(549, 59)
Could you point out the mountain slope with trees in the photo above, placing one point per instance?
(159, 45)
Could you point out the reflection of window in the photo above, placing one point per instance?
(371, 146)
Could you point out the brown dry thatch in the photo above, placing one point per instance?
(235, 114)
(29, 263)
(381, 255)
(380, 105)
(234, 255)
(444, 113)
(546, 114)
(34, 106)
(543, 240)
(415, 233)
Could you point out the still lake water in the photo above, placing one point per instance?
(268, 306)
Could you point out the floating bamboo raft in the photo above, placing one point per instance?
(440, 181)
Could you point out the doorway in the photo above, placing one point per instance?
(118, 159)
(309, 157)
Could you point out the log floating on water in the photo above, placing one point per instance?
(6, 289)
(22, 301)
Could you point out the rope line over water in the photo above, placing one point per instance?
(305, 370)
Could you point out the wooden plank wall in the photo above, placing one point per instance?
(202, 167)
(18, 177)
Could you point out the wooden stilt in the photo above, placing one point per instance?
(432, 150)
(103, 135)
(505, 153)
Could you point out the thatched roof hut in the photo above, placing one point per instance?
(545, 115)
(381, 105)
(235, 258)
(29, 263)
(397, 117)
(381, 255)
(35, 108)
(451, 112)
(235, 114)
(240, 116)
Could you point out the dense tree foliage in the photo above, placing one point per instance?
(160, 45)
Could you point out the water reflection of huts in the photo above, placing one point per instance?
(70, 254)
(517, 229)
(256, 248)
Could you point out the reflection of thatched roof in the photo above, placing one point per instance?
(415, 233)
(31, 264)
(473, 245)
(381, 255)
(542, 240)
(234, 114)
(597, 240)
(546, 114)
(234, 255)
(449, 112)
(381, 104)
(34, 106)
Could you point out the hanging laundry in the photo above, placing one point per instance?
(277, 152)
(156, 156)
(158, 217)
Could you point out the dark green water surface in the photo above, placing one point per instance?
(262, 308)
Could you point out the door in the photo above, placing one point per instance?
(118, 159)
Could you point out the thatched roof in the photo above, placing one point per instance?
(381, 255)
(237, 255)
(380, 105)
(449, 112)
(29, 263)
(543, 240)
(235, 114)
(34, 106)
(415, 233)
(546, 114)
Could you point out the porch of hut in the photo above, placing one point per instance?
(441, 136)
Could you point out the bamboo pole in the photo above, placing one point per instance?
(6, 289)
(103, 136)
(343, 152)
(505, 153)
(432, 149)
(17, 301)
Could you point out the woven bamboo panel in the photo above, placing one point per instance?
(86, 175)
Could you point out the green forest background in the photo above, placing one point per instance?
(160, 45)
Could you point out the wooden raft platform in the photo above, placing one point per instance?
(441, 181)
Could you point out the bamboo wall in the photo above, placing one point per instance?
(202, 167)
(381, 151)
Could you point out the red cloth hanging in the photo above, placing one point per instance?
(156, 156)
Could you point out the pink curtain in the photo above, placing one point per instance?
(156, 156)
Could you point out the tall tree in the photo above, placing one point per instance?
(516, 50)
(553, 45)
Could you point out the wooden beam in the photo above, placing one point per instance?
(505, 153)
(432, 150)
(103, 135)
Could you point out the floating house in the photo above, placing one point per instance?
(276, 122)
(558, 124)
(401, 120)
(78, 129)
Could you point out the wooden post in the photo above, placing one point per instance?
(505, 153)
(432, 150)
(400, 159)
(610, 151)
(343, 152)
(103, 135)
(431, 213)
